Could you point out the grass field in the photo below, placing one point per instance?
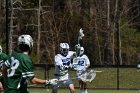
(128, 79)
(40, 90)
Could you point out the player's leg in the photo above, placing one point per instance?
(81, 83)
(1, 87)
(54, 88)
(81, 86)
(69, 84)
(71, 87)
(85, 87)
(1, 84)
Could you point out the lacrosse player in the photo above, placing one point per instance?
(62, 63)
(20, 68)
(83, 63)
(138, 63)
(3, 57)
(138, 66)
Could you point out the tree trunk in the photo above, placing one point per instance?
(38, 33)
(108, 48)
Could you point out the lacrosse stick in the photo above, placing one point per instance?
(81, 35)
(88, 76)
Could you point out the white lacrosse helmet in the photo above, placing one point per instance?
(64, 48)
(25, 39)
(81, 50)
(0, 49)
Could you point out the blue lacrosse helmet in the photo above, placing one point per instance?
(64, 49)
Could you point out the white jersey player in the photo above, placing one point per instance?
(82, 62)
(62, 63)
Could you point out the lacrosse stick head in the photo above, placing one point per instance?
(81, 34)
(91, 75)
(88, 76)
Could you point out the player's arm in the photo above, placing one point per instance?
(87, 65)
(73, 54)
(4, 71)
(28, 73)
(35, 80)
(59, 63)
(5, 67)
(38, 81)
(73, 63)
(87, 62)
(41, 81)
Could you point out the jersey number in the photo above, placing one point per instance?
(81, 63)
(13, 67)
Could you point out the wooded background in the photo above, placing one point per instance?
(111, 28)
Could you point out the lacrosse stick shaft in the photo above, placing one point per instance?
(74, 78)
(97, 71)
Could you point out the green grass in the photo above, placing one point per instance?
(128, 78)
(40, 90)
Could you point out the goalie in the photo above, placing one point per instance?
(80, 64)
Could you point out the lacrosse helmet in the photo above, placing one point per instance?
(25, 40)
(81, 51)
(64, 49)
(0, 49)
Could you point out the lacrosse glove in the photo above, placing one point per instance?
(74, 66)
(52, 82)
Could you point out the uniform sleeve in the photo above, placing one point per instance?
(58, 60)
(59, 63)
(87, 60)
(5, 57)
(27, 69)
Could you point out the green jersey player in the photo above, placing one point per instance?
(3, 57)
(20, 68)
